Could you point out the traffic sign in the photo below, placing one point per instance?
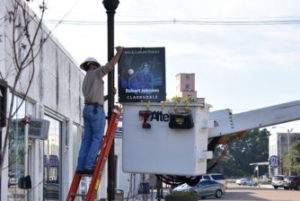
(274, 161)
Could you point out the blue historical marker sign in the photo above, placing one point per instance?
(274, 161)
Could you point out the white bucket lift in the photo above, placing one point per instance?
(161, 149)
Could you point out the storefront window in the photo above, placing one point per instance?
(76, 132)
(16, 153)
(52, 160)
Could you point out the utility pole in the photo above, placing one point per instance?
(111, 6)
(3, 102)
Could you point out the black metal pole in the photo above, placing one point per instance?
(3, 118)
(0, 157)
(111, 6)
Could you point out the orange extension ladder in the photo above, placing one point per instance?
(102, 158)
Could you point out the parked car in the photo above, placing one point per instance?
(292, 182)
(246, 181)
(278, 181)
(242, 181)
(215, 177)
(204, 188)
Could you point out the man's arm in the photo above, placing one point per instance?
(116, 58)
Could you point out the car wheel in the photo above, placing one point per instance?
(244, 183)
(203, 197)
(286, 188)
(275, 187)
(218, 194)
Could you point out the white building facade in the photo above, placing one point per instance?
(55, 95)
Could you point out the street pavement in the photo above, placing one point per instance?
(265, 192)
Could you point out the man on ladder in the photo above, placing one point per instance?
(93, 112)
(94, 123)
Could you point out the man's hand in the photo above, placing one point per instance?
(119, 49)
(114, 92)
(116, 58)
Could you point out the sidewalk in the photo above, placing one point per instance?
(147, 197)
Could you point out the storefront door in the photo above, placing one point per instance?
(17, 154)
(52, 163)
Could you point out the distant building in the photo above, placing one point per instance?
(279, 145)
(185, 86)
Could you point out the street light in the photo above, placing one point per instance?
(111, 6)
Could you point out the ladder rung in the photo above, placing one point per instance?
(86, 175)
(92, 175)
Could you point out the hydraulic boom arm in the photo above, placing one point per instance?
(226, 123)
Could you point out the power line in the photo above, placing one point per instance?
(274, 21)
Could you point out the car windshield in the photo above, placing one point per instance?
(278, 178)
(291, 178)
(206, 177)
(218, 177)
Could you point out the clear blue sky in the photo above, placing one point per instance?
(241, 67)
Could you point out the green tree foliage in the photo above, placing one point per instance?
(291, 162)
(177, 99)
(251, 148)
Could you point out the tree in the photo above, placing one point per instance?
(291, 162)
(176, 99)
(253, 147)
(25, 39)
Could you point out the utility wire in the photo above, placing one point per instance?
(277, 21)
